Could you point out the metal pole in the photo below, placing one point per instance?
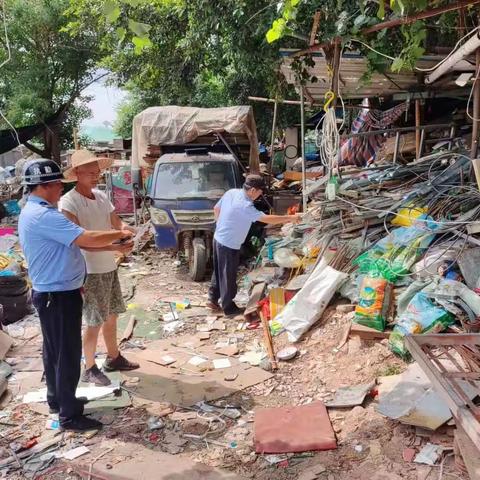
(397, 147)
(417, 132)
(274, 125)
(476, 115)
(302, 133)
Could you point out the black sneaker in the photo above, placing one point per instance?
(233, 311)
(96, 376)
(55, 411)
(81, 423)
(120, 363)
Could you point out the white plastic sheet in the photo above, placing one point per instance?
(308, 305)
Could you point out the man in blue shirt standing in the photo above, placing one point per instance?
(234, 214)
(51, 244)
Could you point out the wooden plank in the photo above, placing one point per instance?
(463, 415)
(292, 176)
(367, 333)
(470, 453)
(316, 22)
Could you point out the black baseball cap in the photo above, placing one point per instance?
(254, 181)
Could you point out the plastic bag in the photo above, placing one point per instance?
(407, 215)
(308, 305)
(421, 316)
(374, 302)
(394, 255)
(285, 258)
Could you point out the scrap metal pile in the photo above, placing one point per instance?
(399, 242)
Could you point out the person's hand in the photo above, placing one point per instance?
(134, 230)
(124, 248)
(297, 218)
(125, 234)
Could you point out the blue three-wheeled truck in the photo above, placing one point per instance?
(201, 154)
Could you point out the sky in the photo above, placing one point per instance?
(106, 99)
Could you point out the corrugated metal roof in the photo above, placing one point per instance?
(352, 68)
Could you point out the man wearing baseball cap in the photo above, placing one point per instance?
(51, 244)
(90, 208)
(234, 214)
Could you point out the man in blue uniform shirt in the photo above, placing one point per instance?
(51, 244)
(234, 214)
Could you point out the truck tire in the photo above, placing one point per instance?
(198, 260)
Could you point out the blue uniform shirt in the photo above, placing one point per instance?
(46, 237)
(237, 214)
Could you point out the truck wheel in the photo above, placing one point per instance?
(198, 260)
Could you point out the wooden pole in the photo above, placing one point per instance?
(419, 16)
(268, 340)
(476, 117)
(75, 139)
(417, 131)
(274, 126)
(304, 162)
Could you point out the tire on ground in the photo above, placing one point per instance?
(198, 262)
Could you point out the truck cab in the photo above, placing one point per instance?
(184, 189)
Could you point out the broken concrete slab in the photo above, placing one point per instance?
(293, 429)
(350, 396)
(412, 400)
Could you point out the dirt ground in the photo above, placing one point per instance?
(370, 446)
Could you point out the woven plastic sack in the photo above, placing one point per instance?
(374, 302)
(421, 316)
(394, 255)
(406, 216)
(308, 305)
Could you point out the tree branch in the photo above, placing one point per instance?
(34, 149)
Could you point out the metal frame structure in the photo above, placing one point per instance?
(462, 352)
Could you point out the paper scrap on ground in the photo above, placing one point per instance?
(196, 360)
(167, 360)
(170, 327)
(350, 396)
(253, 358)
(429, 454)
(222, 363)
(90, 393)
(170, 317)
(74, 453)
(218, 325)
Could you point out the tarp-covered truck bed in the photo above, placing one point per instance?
(174, 125)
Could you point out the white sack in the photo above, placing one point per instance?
(308, 305)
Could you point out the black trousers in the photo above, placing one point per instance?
(224, 277)
(61, 320)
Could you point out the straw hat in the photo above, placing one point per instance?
(84, 157)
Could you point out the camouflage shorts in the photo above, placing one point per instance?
(103, 297)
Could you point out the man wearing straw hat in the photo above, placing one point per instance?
(56, 267)
(90, 208)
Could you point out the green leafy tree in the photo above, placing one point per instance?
(396, 49)
(199, 53)
(47, 72)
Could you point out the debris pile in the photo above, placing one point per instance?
(399, 243)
